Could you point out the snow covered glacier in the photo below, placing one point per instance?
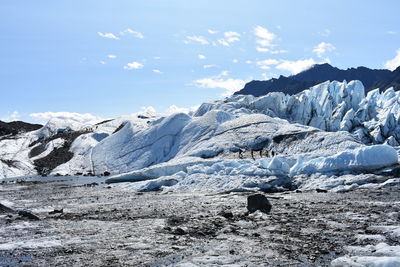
(329, 129)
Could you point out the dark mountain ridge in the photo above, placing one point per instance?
(371, 78)
(15, 127)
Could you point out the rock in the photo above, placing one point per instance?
(226, 214)
(27, 214)
(179, 231)
(5, 209)
(321, 190)
(56, 211)
(106, 173)
(258, 202)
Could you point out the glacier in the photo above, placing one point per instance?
(328, 130)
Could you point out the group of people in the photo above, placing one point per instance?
(266, 153)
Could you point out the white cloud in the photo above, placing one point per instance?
(157, 57)
(393, 63)
(223, 42)
(265, 64)
(221, 81)
(235, 60)
(175, 109)
(232, 36)
(391, 32)
(103, 62)
(202, 56)
(209, 66)
(157, 71)
(322, 48)
(325, 32)
(133, 65)
(198, 39)
(79, 117)
(248, 62)
(296, 66)
(14, 116)
(229, 37)
(265, 37)
(112, 56)
(133, 33)
(265, 49)
(108, 35)
(212, 31)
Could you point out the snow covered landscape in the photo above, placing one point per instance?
(200, 133)
(329, 138)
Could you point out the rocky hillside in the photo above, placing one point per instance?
(15, 127)
(371, 78)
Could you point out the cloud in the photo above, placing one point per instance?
(103, 62)
(157, 71)
(232, 36)
(391, 32)
(235, 60)
(322, 48)
(265, 49)
(212, 31)
(112, 56)
(157, 57)
(209, 66)
(133, 33)
(393, 63)
(265, 64)
(133, 65)
(248, 62)
(265, 37)
(198, 39)
(108, 35)
(78, 117)
(175, 109)
(229, 37)
(296, 66)
(221, 81)
(325, 32)
(14, 116)
(202, 56)
(223, 42)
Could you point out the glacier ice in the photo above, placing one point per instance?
(328, 129)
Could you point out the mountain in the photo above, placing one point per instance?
(15, 127)
(371, 78)
(331, 128)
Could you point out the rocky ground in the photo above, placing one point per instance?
(101, 225)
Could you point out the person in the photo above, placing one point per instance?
(272, 153)
(240, 153)
(266, 153)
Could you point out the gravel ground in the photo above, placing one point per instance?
(104, 225)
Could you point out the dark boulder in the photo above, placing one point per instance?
(5, 209)
(29, 215)
(258, 202)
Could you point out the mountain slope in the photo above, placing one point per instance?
(15, 127)
(294, 84)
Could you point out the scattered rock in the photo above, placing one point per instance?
(226, 214)
(258, 202)
(321, 190)
(56, 211)
(179, 231)
(5, 209)
(27, 214)
(175, 220)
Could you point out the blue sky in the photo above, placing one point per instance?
(98, 59)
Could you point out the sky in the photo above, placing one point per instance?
(96, 59)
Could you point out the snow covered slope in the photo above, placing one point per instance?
(323, 130)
